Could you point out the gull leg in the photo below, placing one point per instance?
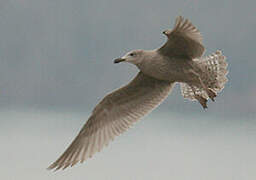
(209, 91)
(211, 94)
(200, 99)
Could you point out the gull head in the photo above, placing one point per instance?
(133, 57)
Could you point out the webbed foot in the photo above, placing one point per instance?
(202, 101)
(211, 94)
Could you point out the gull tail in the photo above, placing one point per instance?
(214, 67)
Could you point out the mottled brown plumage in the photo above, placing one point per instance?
(113, 115)
(178, 60)
(184, 41)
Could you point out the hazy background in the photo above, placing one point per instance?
(56, 63)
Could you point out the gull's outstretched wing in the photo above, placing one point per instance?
(184, 41)
(113, 115)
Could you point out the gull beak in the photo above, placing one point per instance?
(118, 60)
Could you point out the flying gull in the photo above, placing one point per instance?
(178, 60)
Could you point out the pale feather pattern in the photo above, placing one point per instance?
(114, 115)
(214, 68)
(183, 41)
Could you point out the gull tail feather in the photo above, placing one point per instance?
(215, 67)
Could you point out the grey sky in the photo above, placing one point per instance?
(57, 54)
(162, 146)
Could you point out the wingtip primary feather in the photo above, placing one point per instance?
(185, 26)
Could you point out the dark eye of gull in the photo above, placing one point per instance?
(132, 54)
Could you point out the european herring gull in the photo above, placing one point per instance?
(178, 60)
